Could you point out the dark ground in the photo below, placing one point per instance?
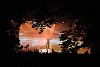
(35, 59)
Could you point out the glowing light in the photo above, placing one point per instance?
(45, 50)
(43, 25)
(34, 22)
(11, 20)
(74, 25)
(63, 22)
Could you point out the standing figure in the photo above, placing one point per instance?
(48, 42)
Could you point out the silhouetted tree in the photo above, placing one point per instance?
(72, 36)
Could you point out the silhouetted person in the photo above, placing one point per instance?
(48, 42)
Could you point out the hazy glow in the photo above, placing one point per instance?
(31, 36)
